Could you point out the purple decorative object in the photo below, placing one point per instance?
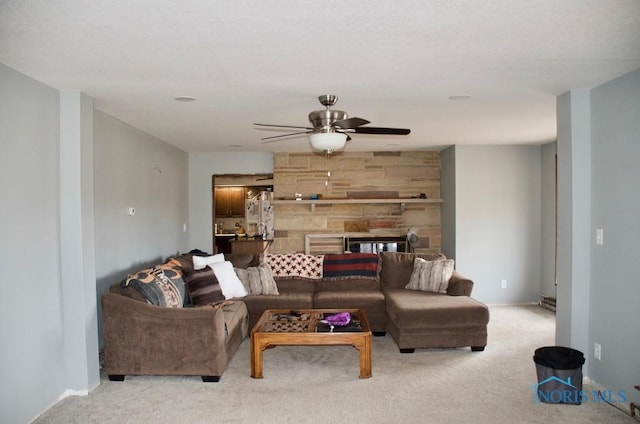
(339, 320)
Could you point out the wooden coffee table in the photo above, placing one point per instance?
(286, 327)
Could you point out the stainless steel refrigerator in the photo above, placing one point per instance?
(259, 216)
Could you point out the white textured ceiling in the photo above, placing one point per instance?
(394, 63)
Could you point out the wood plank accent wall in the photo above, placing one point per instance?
(356, 175)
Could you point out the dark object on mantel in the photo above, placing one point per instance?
(372, 195)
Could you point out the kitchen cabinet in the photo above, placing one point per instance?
(229, 201)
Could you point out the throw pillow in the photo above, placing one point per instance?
(258, 279)
(200, 262)
(295, 265)
(203, 287)
(156, 287)
(351, 265)
(431, 276)
(173, 269)
(269, 286)
(243, 276)
(229, 281)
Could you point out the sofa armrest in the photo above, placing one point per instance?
(141, 338)
(459, 285)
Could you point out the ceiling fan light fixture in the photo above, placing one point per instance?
(328, 141)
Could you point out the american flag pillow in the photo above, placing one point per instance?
(295, 265)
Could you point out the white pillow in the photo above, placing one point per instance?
(431, 276)
(229, 282)
(201, 262)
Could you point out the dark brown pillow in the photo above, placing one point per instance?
(203, 286)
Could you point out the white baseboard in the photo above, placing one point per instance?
(70, 392)
(494, 305)
(623, 406)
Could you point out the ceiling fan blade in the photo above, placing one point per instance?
(341, 131)
(282, 126)
(382, 130)
(350, 123)
(275, 137)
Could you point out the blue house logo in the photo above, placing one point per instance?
(558, 391)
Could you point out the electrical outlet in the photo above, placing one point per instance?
(599, 236)
(503, 284)
(597, 351)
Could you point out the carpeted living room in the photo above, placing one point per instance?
(491, 147)
(304, 384)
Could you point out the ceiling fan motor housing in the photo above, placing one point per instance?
(324, 119)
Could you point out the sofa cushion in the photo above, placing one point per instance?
(185, 260)
(431, 276)
(396, 267)
(348, 284)
(351, 265)
(360, 299)
(156, 286)
(204, 288)
(415, 309)
(236, 319)
(243, 260)
(296, 285)
(295, 265)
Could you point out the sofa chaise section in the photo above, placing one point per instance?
(422, 319)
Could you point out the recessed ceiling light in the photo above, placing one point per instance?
(459, 97)
(184, 99)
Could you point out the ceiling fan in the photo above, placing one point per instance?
(331, 128)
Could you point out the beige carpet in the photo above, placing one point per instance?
(321, 385)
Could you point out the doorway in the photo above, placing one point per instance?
(229, 193)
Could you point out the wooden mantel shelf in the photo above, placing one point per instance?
(313, 203)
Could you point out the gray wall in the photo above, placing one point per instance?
(614, 312)
(135, 169)
(33, 345)
(448, 195)
(498, 224)
(202, 166)
(548, 219)
(574, 220)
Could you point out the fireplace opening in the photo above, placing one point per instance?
(375, 244)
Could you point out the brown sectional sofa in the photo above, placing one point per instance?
(140, 338)
(144, 339)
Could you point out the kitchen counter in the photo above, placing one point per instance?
(250, 245)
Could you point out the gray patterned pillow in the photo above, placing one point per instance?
(161, 285)
(432, 276)
(258, 279)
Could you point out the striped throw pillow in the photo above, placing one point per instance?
(204, 288)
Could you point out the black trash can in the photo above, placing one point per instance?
(559, 372)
